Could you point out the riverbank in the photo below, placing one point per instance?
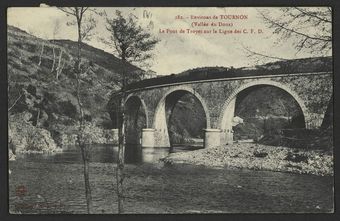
(258, 157)
(25, 137)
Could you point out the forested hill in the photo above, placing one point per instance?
(302, 65)
(42, 83)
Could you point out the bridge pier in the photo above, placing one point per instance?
(148, 137)
(227, 136)
(212, 137)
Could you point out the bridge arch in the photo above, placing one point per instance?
(142, 103)
(227, 113)
(161, 103)
(160, 126)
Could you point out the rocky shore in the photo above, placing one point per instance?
(23, 137)
(258, 157)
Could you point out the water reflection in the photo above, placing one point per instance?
(134, 154)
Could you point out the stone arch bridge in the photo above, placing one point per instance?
(310, 83)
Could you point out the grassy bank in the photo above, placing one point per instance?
(258, 157)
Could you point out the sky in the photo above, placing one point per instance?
(177, 51)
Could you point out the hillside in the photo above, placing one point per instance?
(302, 65)
(103, 59)
(42, 83)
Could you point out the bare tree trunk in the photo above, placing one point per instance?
(88, 194)
(20, 58)
(15, 102)
(264, 125)
(121, 155)
(78, 13)
(38, 116)
(83, 147)
(53, 64)
(41, 54)
(59, 63)
(121, 148)
(59, 71)
(87, 185)
(120, 166)
(57, 75)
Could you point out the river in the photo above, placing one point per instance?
(53, 183)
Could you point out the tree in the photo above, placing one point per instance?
(131, 44)
(309, 29)
(85, 24)
(55, 32)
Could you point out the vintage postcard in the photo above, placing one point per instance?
(170, 110)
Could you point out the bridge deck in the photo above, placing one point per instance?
(288, 67)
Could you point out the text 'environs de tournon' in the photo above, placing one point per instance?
(211, 24)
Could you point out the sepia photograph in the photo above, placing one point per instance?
(170, 110)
